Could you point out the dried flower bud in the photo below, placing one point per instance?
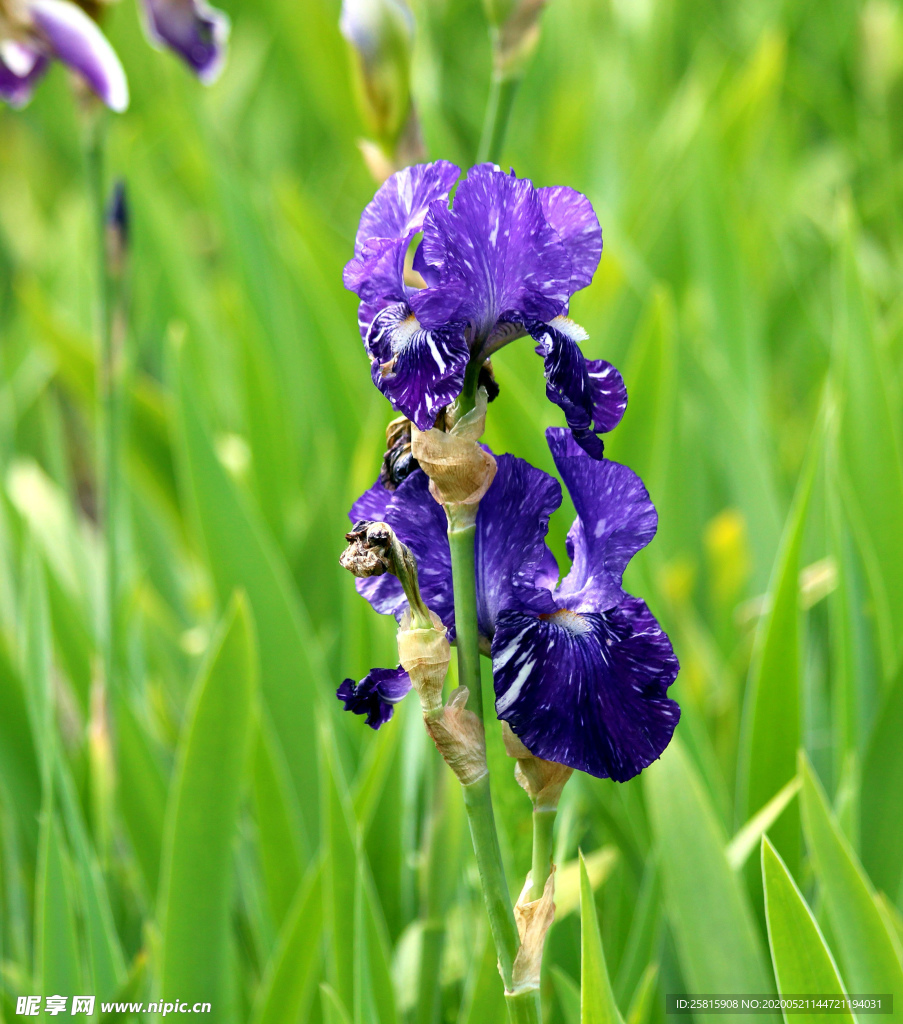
(518, 37)
(542, 780)
(399, 461)
(534, 918)
(459, 737)
(373, 549)
(460, 471)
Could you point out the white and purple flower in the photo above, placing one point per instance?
(581, 668)
(33, 33)
(502, 262)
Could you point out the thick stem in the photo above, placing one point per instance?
(467, 637)
(524, 1007)
(478, 801)
(543, 825)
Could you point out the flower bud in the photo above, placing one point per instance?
(398, 461)
(542, 780)
(534, 918)
(459, 737)
(381, 34)
(460, 471)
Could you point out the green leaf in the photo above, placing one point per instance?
(803, 964)
(202, 816)
(770, 733)
(871, 450)
(484, 999)
(643, 1002)
(750, 835)
(287, 984)
(869, 951)
(881, 796)
(597, 1001)
(57, 951)
(242, 556)
(568, 992)
(710, 916)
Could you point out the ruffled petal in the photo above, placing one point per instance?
(73, 38)
(495, 254)
(587, 690)
(590, 393)
(615, 519)
(572, 215)
(419, 371)
(193, 30)
(399, 206)
(20, 71)
(376, 694)
(514, 566)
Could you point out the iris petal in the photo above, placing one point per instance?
(193, 30)
(587, 690)
(75, 39)
(572, 215)
(420, 371)
(376, 694)
(15, 88)
(615, 519)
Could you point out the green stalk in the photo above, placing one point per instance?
(543, 825)
(106, 399)
(467, 637)
(478, 801)
(502, 90)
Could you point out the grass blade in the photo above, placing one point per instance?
(597, 1000)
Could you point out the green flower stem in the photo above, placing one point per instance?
(107, 397)
(502, 90)
(478, 802)
(543, 825)
(467, 637)
(524, 1007)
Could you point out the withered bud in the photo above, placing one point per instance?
(534, 918)
(118, 228)
(487, 381)
(542, 780)
(373, 549)
(459, 737)
(399, 461)
(460, 471)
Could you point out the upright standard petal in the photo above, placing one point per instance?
(73, 38)
(376, 694)
(591, 393)
(419, 371)
(495, 254)
(514, 566)
(587, 690)
(572, 215)
(20, 71)
(401, 202)
(615, 519)
(193, 30)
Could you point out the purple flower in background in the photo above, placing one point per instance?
(376, 694)
(502, 262)
(35, 32)
(581, 668)
(193, 30)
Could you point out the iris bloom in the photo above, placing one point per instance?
(502, 262)
(35, 32)
(581, 668)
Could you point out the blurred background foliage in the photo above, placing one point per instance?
(212, 826)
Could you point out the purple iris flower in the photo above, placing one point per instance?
(376, 694)
(581, 668)
(193, 30)
(502, 262)
(35, 32)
